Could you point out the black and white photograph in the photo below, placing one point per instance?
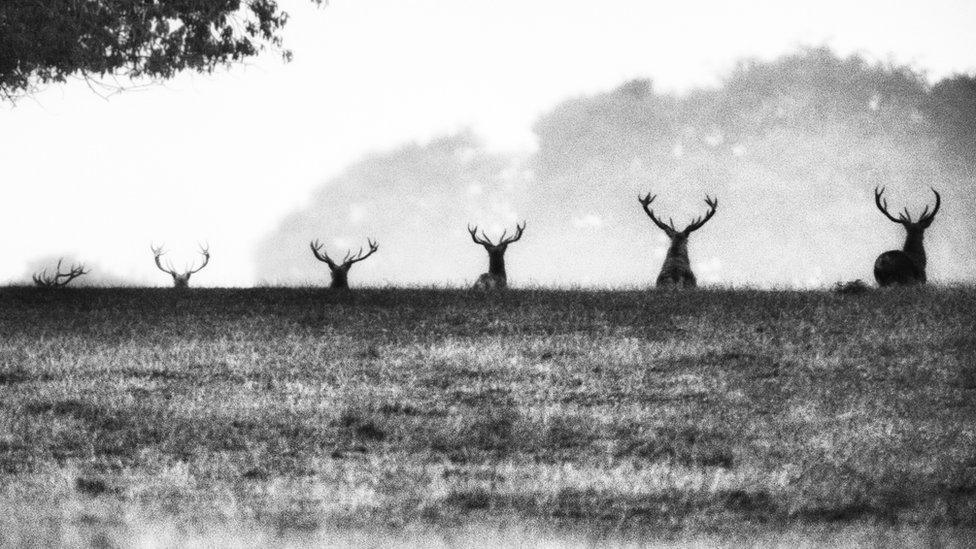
(487, 274)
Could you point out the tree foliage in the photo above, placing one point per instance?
(45, 41)
(951, 105)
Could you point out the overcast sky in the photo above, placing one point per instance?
(223, 157)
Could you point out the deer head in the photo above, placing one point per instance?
(180, 279)
(676, 270)
(58, 279)
(905, 266)
(340, 271)
(495, 277)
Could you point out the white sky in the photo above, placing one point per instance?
(224, 157)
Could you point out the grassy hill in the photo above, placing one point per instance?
(589, 416)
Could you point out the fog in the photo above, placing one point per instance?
(792, 147)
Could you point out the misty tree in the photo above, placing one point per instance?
(43, 41)
(951, 105)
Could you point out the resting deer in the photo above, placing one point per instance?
(180, 279)
(676, 270)
(905, 266)
(340, 271)
(495, 278)
(58, 279)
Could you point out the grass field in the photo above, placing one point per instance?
(266, 416)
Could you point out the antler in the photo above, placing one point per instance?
(904, 217)
(321, 254)
(882, 204)
(503, 241)
(669, 228)
(205, 251)
(483, 239)
(519, 229)
(646, 203)
(699, 221)
(157, 253)
(350, 259)
(59, 279)
(926, 218)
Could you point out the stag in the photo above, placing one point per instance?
(340, 271)
(180, 279)
(58, 279)
(676, 271)
(495, 278)
(905, 266)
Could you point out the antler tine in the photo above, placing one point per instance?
(205, 252)
(926, 218)
(158, 253)
(72, 269)
(373, 246)
(72, 274)
(519, 229)
(905, 214)
(925, 212)
(483, 239)
(42, 279)
(882, 204)
(321, 254)
(699, 221)
(646, 203)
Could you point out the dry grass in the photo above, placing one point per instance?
(446, 418)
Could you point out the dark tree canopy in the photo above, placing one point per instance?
(45, 41)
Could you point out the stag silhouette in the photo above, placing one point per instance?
(495, 278)
(676, 271)
(180, 279)
(340, 271)
(905, 266)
